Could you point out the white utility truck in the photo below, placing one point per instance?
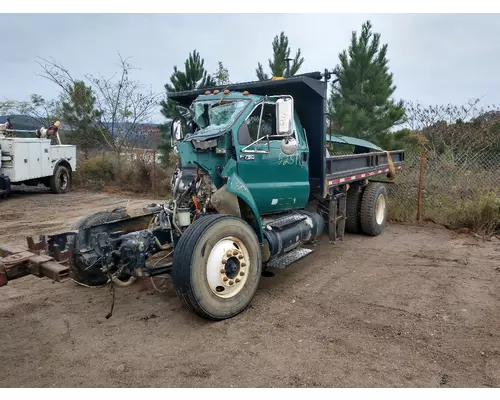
(34, 161)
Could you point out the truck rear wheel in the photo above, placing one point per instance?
(79, 270)
(353, 222)
(60, 182)
(374, 208)
(217, 266)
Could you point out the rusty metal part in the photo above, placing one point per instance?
(7, 250)
(18, 262)
(55, 245)
(49, 254)
(38, 245)
(36, 262)
(16, 265)
(54, 271)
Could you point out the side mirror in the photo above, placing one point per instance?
(176, 130)
(284, 110)
(289, 146)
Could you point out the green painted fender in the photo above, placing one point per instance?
(236, 186)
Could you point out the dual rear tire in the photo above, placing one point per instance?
(367, 209)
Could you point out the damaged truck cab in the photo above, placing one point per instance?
(254, 185)
(254, 150)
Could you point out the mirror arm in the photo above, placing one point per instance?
(260, 119)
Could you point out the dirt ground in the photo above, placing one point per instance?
(414, 307)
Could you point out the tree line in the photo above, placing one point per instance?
(111, 110)
(360, 102)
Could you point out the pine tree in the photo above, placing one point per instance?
(194, 76)
(221, 76)
(360, 102)
(278, 64)
(80, 113)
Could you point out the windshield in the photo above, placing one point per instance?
(213, 114)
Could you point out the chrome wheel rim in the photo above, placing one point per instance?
(227, 267)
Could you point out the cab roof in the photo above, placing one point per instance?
(305, 85)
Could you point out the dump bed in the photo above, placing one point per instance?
(354, 167)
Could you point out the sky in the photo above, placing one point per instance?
(435, 58)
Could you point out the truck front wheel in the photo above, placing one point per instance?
(373, 213)
(217, 266)
(60, 182)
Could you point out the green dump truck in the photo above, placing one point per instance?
(254, 185)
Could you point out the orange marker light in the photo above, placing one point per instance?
(245, 93)
(226, 91)
(207, 92)
(216, 91)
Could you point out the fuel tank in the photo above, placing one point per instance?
(290, 230)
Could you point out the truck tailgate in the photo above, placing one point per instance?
(352, 167)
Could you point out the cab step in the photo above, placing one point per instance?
(289, 258)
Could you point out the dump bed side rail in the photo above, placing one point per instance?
(352, 167)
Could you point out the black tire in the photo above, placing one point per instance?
(78, 270)
(368, 215)
(60, 182)
(191, 255)
(353, 222)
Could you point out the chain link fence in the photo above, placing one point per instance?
(459, 190)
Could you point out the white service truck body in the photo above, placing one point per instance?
(32, 161)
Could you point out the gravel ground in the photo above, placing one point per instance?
(416, 307)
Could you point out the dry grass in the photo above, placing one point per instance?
(112, 172)
(468, 198)
(451, 196)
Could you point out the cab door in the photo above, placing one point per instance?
(277, 182)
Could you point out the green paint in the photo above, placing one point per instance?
(236, 186)
(268, 183)
(277, 182)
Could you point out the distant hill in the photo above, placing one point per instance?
(26, 122)
(143, 135)
(23, 122)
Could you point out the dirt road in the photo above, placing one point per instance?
(417, 306)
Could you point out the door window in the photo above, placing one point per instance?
(249, 131)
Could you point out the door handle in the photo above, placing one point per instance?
(305, 157)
